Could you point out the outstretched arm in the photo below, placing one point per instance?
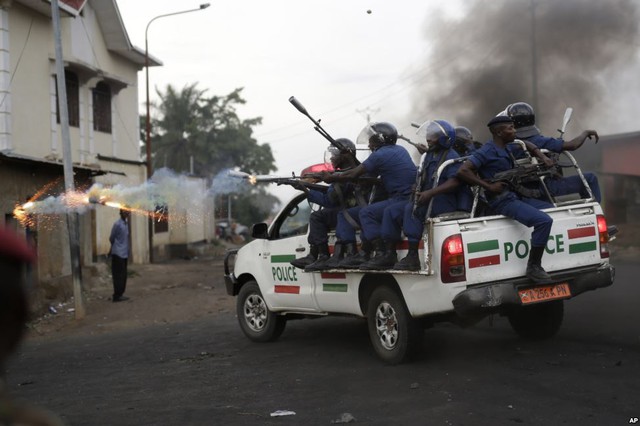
(344, 176)
(577, 142)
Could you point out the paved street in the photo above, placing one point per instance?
(205, 372)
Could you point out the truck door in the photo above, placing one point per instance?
(290, 287)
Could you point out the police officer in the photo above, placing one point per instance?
(393, 164)
(464, 143)
(339, 196)
(524, 120)
(409, 216)
(494, 157)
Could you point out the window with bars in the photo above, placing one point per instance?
(73, 98)
(102, 108)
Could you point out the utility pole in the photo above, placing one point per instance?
(367, 112)
(72, 218)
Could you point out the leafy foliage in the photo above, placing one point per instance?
(189, 127)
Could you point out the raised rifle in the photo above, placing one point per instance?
(318, 128)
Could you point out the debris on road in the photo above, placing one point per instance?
(283, 413)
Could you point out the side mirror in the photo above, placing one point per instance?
(260, 231)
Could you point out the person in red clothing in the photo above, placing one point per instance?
(15, 256)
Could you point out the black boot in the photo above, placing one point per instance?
(535, 272)
(323, 259)
(412, 261)
(308, 259)
(354, 258)
(385, 257)
(336, 258)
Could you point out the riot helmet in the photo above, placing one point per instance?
(524, 119)
(464, 142)
(440, 133)
(338, 157)
(377, 134)
(464, 134)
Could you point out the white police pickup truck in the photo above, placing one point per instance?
(471, 267)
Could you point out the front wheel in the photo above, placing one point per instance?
(537, 322)
(257, 322)
(395, 335)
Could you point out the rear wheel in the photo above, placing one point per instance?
(537, 322)
(395, 335)
(257, 322)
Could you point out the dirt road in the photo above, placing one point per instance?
(175, 291)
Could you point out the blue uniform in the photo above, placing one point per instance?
(396, 169)
(570, 184)
(325, 219)
(491, 159)
(401, 214)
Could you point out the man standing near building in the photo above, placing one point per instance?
(119, 253)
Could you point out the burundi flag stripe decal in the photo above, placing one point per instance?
(484, 261)
(582, 247)
(282, 258)
(577, 246)
(341, 288)
(482, 246)
(581, 232)
(333, 275)
(287, 289)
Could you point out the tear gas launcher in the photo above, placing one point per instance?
(297, 182)
(318, 128)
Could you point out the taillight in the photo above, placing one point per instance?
(603, 232)
(452, 261)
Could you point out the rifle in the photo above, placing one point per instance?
(517, 177)
(363, 180)
(318, 128)
(295, 181)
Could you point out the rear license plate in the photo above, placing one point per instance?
(541, 294)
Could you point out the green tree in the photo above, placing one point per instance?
(190, 127)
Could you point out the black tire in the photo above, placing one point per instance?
(257, 322)
(395, 335)
(537, 322)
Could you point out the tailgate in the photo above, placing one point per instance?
(497, 248)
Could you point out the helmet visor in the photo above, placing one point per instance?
(365, 135)
(431, 130)
(331, 153)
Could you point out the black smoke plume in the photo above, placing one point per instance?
(482, 62)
